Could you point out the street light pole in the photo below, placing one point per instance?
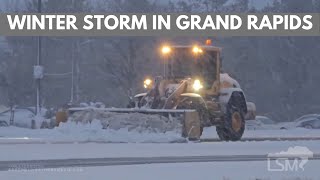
(72, 75)
(38, 108)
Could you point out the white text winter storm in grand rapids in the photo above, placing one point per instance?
(159, 22)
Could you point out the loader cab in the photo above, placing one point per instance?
(196, 62)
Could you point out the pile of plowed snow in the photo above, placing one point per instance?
(96, 131)
(87, 132)
(102, 126)
(133, 122)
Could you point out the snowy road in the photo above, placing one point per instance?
(8, 141)
(88, 153)
(144, 161)
(95, 162)
(17, 152)
(263, 139)
(70, 133)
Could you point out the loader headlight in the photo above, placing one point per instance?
(165, 50)
(197, 85)
(147, 83)
(196, 50)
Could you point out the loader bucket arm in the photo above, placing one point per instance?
(174, 98)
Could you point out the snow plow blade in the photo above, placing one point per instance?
(185, 120)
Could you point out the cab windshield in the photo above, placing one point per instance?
(185, 63)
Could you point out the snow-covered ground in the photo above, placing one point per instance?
(216, 170)
(71, 141)
(189, 171)
(72, 132)
(105, 150)
(295, 132)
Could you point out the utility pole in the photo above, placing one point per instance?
(77, 69)
(38, 108)
(72, 74)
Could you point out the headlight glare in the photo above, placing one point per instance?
(147, 83)
(165, 50)
(197, 85)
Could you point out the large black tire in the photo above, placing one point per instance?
(233, 125)
(194, 103)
